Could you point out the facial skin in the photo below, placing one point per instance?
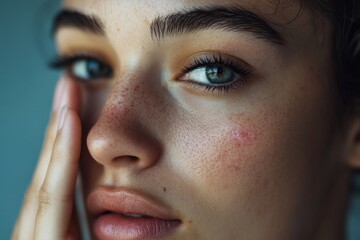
(263, 160)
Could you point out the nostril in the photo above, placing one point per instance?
(126, 158)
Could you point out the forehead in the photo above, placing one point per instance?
(279, 11)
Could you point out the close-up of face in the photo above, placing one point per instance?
(206, 119)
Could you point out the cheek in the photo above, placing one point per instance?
(230, 157)
(240, 137)
(236, 161)
(231, 160)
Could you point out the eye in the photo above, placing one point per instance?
(215, 73)
(83, 67)
(90, 69)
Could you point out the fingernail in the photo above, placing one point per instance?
(62, 117)
(64, 96)
(58, 94)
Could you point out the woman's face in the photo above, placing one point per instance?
(227, 122)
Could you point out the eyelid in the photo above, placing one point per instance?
(194, 61)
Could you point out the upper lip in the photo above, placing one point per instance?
(126, 201)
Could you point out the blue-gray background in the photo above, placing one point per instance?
(26, 88)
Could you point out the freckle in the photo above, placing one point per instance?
(237, 168)
(164, 189)
(243, 137)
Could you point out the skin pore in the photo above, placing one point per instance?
(264, 159)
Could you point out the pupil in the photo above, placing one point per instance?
(219, 74)
(94, 68)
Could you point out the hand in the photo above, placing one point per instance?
(49, 210)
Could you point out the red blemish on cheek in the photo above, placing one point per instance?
(243, 137)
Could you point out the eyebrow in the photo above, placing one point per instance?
(69, 18)
(232, 18)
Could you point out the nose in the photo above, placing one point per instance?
(123, 137)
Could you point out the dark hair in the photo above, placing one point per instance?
(345, 15)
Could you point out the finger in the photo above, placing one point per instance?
(25, 225)
(61, 98)
(67, 93)
(56, 196)
(69, 97)
(25, 222)
(56, 107)
(15, 233)
(74, 231)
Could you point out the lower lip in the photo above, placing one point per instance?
(115, 226)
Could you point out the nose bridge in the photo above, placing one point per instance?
(131, 97)
(120, 101)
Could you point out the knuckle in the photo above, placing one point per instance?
(44, 199)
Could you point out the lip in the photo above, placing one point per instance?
(108, 206)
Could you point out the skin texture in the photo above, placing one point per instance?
(268, 159)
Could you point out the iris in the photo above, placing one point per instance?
(219, 74)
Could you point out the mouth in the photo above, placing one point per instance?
(128, 214)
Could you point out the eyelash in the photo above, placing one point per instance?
(65, 62)
(215, 60)
(61, 62)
